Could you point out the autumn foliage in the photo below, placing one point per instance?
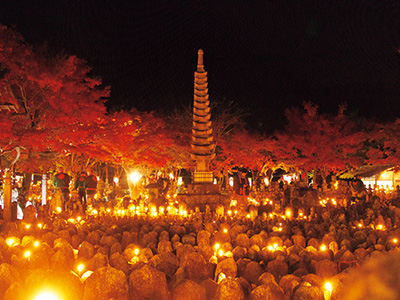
(312, 141)
(52, 111)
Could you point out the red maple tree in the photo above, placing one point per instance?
(322, 143)
(47, 105)
(384, 144)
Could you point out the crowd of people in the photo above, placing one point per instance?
(285, 244)
(86, 184)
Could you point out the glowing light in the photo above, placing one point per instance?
(134, 177)
(273, 247)
(47, 296)
(180, 181)
(40, 225)
(11, 242)
(58, 209)
(322, 248)
(116, 180)
(395, 240)
(266, 181)
(221, 276)
(379, 227)
(27, 254)
(216, 246)
(328, 290)
(225, 230)
(229, 212)
(136, 251)
(36, 244)
(80, 268)
(221, 252)
(359, 225)
(328, 286)
(79, 219)
(27, 226)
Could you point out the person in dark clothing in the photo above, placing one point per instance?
(80, 185)
(61, 182)
(242, 188)
(91, 188)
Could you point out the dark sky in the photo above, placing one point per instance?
(265, 55)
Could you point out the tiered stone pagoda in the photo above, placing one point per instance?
(202, 139)
(202, 191)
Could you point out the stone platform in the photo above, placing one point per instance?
(202, 194)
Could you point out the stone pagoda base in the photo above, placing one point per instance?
(202, 194)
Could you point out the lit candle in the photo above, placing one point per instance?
(80, 268)
(11, 242)
(27, 254)
(327, 291)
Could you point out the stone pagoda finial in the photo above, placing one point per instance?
(200, 64)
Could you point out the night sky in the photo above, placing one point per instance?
(265, 55)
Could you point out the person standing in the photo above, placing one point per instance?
(91, 187)
(80, 185)
(242, 188)
(61, 181)
(101, 186)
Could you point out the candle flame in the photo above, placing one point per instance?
(80, 268)
(328, 286)
(11, 242)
